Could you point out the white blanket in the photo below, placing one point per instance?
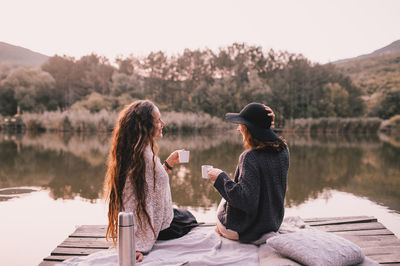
(202, 246)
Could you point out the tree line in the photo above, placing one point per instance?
(379, 79)
(194, 81)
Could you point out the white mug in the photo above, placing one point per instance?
(183, 156)
(204, 169)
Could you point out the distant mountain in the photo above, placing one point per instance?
(16, 55)
(377, 73)
(391, 48)
(394, 47)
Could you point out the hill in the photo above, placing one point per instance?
(391, 48)
(377, 74)
(394, 47)
(15, 55)
(374, 73)
(378, 71)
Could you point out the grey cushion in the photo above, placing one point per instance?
(264, 238)
(268, 256)
(317, 248)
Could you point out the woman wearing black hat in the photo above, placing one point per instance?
(253, 203)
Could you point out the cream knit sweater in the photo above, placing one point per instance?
(158, 203)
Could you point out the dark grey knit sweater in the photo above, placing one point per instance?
(255, 199)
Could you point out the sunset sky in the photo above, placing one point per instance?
(322, 30)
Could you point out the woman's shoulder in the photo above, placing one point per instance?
(246, 152)
(262, 152)
(249, 154)
(148, 153)
(150, 158)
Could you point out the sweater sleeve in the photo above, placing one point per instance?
(244, 194)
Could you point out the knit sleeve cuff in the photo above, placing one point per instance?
(219, 182)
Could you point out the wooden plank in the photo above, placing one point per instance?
(73, 251)
(381, 250)
(90, 231)
(93, 234)
(362, 219)
(350, 227)
(92, 227)
(88, 235)
(322, 219)
(379, 243)
(48, 263)
(86, 242)
(386, 258)
(374, 232)
(370, 238)
(57, 258)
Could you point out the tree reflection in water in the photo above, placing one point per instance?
(74, 165)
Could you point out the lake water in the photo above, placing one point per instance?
(51, 183)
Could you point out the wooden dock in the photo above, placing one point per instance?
(376, 241)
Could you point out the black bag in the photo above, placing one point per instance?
(181, 224)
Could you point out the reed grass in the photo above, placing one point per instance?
(335, 125)
(82, 120)
(191, 122)
(391, 126)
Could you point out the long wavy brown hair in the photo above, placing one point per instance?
(134, 131)
(251, 142)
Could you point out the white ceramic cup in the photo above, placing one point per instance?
(183, 156)
(204, 169)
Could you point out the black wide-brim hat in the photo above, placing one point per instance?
(257, 120)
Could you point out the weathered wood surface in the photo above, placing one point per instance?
(377, 242)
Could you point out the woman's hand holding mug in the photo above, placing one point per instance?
(173, 158)
(213, 173)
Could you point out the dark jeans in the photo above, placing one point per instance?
(181, 224)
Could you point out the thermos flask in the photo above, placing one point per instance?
(126, 240)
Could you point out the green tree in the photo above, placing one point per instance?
(390, 105)
(94, 102)
(97, 74)
(8, 104)
(124, 83)
(33, 89)
(62, 70)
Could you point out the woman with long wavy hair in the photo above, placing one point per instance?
(253, 203)
(136, 181)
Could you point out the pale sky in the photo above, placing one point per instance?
(321, 30)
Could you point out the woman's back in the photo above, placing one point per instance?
(255, 204)
(255, 198)
(273, 168)
(158, 202)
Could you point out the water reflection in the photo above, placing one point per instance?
(10, 193)
(67, 166)
(364, 167)
(72, 165)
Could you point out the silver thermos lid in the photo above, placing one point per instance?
(125, 219)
